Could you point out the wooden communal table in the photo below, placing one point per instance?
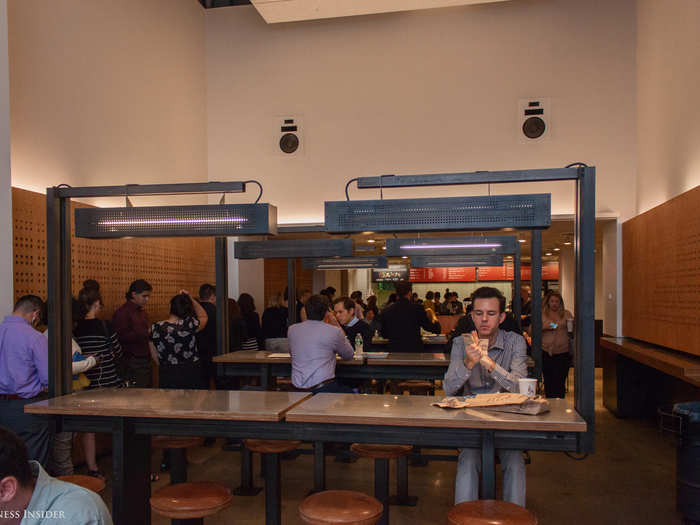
(425, 366)
(412, 420)
(258, 363)
(131, 415)
(431, 343)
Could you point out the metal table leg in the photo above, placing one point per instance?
(131, 485)
(273, 490)
(381, 487)
(488, 465)
(319, 466)
(402, 498)
(246, 488)
(178, 465)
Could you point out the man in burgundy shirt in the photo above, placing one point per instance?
(131, 324)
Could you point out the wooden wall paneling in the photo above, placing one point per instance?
(169, 264)
(661, 277)
(276, 279)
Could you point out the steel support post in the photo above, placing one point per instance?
(222, 327)
(381, 487)
(517, 303)
(319, 466)
(273, 489)
(536, 301)
(131, 486)
(291, 291)
(584, 391)
(488, 465)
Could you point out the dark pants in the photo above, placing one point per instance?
(187, 376)
(139, 372)
(34, 430)
(555, 369)
(333, 387)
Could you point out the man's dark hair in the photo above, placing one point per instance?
(403, 288)
(437, 296)
(487, 292)
(206, 291)
(356, 296)
(330, 290)
(28, 304)
(429, 296)
(14, 460)
(348, 303)
(181, 306)
(316, 307)
(91, 283)
(138, 286)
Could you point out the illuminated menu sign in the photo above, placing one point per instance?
(550, 272)
(398, 273)
(442, 275)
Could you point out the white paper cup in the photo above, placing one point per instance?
(527, 386)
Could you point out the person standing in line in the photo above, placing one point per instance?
(207, 337)
(274, 319)
(555, 344)
(98, 339)
(131, 324)
(24, 375)
(252, 322)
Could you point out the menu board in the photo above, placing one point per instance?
(550, 272)
(442, 275)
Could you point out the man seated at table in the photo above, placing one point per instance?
(28, 495)
(497, 371)
(313, 346)
(401, 322)
(344, 310)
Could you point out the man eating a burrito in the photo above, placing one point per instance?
(488, 360)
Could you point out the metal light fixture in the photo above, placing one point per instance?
(344, 263)
(172, 221)
(503, 244)
(448, 261)
(292, 249)
(442, 214)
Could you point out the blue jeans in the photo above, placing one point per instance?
(469, 469)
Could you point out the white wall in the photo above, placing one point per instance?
(421, 92)
(612, 287)
(6, 288)
(668, 80)
(107, 93)
(567, 276)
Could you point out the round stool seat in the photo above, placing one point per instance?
(191, 500)
(417, 386)
(490, 512)
(340, 506)
(369, 450)
(270, 446)
(88, 482)
(175, 441)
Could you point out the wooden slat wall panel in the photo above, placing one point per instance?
(169, 264)
(661, 276)
(276, 278)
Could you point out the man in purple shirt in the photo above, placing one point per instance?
(24, 375)
(313, 346)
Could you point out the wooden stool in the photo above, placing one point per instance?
(270, 451)
(490, 512)
(381, 455)
(340, 506)
(417, 387)
(176, 445)
(189, 503)
(87, 482)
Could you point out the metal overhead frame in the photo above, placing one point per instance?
(584, 232)
(58, 269)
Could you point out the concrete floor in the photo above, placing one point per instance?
(630, 479)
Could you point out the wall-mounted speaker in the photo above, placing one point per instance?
(289, 141)
(534, 119)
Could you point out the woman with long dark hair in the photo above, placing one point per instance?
(252, 322)
(555, 344)
(97, 339)
(179, 365)
(237, 330)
